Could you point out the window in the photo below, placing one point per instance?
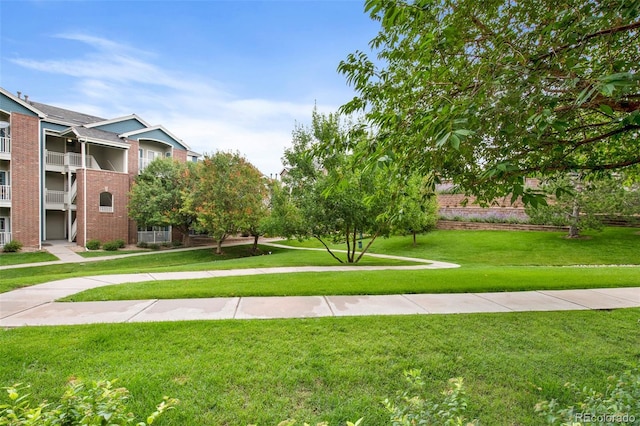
(106, 202)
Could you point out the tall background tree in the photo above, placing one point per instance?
(228, 196)
(487, 93)
(157, 196)
(327, 194)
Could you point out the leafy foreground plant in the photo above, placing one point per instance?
(618, 404)
(98, 403)
(411, 408)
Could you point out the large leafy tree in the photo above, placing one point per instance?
(228, 197)
(157, 195)
(486, 93)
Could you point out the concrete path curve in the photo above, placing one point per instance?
(36, 305)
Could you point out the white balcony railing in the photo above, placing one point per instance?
(74, 230)
(5, 192)
(106, 209)
(154, 237)
(55, 197)
(72, 160)
(143, 163)
(5, 145)
(5, 237)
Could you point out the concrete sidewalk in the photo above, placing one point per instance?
(36, 305)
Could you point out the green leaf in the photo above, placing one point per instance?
(440, 142)
(464, 132)
(606, 109)
(455, 141)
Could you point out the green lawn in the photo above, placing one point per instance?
(22, 258)
(334, 369)
(491, 261)
(338, 369)
(191, 260)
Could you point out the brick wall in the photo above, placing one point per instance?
(103, 226)
(180, 155)
(25, 179)
(485, 226)
(451, 205)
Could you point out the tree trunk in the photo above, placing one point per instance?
(219, 247)
(254, 248)
(328, 249)
(414, 238)
(575, 217)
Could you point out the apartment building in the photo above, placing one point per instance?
(65, 175)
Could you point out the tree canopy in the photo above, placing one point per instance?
(228, 196)
(157, 195)
(487, 93)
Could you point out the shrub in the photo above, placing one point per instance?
(176, 243)
(154, 246)
(12, 246)
(98, 403)
(121, 243)
(411, 408)
(93, 244)
(143, 244)
(111, 246)
(618, 404)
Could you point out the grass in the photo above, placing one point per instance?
(333, 369)
(191, 260)
(339, 369)
(491, 261)
(7, 259)
(475, 280)
(514, 248)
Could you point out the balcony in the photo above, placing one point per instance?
(5, 237)
(59, 200)
(5, 148)
(61, 162)
(5, 195)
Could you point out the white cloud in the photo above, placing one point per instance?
(114, 79)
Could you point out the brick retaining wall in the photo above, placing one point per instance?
(485, 226)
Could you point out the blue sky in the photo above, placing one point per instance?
(218, 74)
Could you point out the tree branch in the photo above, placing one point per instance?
(587, 37)
(328, 249)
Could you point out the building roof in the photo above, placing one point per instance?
(94, 135)
(66, 116)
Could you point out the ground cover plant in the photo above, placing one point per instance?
(331, 369)
(490, 261)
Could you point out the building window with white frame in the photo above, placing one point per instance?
(106, 202)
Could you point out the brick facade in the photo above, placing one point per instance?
(25, 179)
(103, 226)
(47, 148)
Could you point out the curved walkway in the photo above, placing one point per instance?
(36, 305)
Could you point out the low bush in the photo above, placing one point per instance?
(121, 243)
(12, 246)
(93, 244)
(111, 246)
(143, 244)
(411, 408)
(97, 403)
(619, 403)
(154, 246)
